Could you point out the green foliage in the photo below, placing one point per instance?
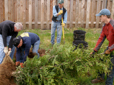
(62, 66)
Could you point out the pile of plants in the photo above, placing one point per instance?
(62, 66)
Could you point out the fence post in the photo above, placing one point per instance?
(30, 14)
(88, 14)
(6, 9)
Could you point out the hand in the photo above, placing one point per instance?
(63, 24)
(107, 51)
(60, 12)
(92, 54)
(5, 50)
(9, 53)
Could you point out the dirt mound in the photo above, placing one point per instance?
(6, 69)
(40, 51)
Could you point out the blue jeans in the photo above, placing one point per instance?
(109, 80)
(22, 58)
(2, 54)
(36, 47)
(55, 25)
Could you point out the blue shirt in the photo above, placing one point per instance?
(28, 40)
(59, 17)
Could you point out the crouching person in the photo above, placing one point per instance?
(23, 44)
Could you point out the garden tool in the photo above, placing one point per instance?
(63, 30)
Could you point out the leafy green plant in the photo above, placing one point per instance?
(62, 66)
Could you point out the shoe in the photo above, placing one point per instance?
(17, 63)
(97, 80)
(21, 64)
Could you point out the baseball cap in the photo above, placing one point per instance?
(60, 1)
(16, 41)
(104, 12)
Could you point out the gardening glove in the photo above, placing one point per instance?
(5, 50)
(60, 12)
(9, 53)
(63, 24)
(107, 51)
(92, 54)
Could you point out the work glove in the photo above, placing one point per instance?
(9, 53)
(92, 54)
(107, 51)
(5, 50)
(60, 12)
(63, 24)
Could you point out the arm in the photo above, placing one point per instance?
(18, 54)
(65, 18)
(11, 40)
(100, 41)
(111, 48)
(27, 48)
(4, 35)
(55, 14)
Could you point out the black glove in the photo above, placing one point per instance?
(92, 54)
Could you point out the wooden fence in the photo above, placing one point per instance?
(38, 13)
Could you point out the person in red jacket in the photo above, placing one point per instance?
(107, 33)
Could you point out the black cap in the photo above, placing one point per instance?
(16, 41)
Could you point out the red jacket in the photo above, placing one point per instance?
(107, 32)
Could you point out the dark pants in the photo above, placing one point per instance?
(109, 80)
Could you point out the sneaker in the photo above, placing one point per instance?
(97, 80)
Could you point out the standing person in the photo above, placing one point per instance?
(23, 44)
(58, 12)
(8, 31)
(107, 32)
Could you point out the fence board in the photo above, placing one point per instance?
(88, 12)
(48, 14)
(18, 8)
(71, 12)
(77, 11)
(21, 10)
(92, 14)
(112, 14)
(1, 11)
(42, 13)
(11, 12)
(82, 13)
(38, 13)
(24, 12)
(66, 5)
(30, 14)
(6, 9)
(98, 10)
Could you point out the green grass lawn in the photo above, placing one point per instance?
(92, 36)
